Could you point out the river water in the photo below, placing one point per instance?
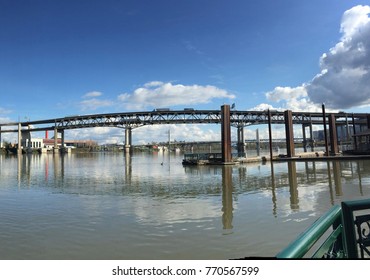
(149, 206)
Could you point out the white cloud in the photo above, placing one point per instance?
(178, 132)
(100, 134)
(345, 68)
(286, 93)
(262, 107)
(354, 19)
(343, 81)
(287, 98)
(158, 94)
(148, 134)
(94, 103)
(295, 99)
(153, 84)
(91, 103)
(92, 94)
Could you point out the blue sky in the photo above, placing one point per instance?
(61, 58)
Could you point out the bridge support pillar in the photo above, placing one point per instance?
(304, 137)
(258, 143)
(225, 134)
(55, 150)
(270, 133)
(354, 132)
(348, 134)
(333, 135)
(19, 149)
(128, 139)
(307, 142)
(26, 142)
(288, 117)
(241, 144)
(311, 138)
(325, 131)
(62, 146)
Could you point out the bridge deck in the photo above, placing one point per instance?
(138, 119)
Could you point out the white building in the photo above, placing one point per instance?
(35, 143)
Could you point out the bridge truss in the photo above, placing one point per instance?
(137, 119)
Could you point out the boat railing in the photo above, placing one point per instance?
(343, 232)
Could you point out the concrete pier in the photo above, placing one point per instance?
(55, 149)
(19, 149)
(128, 139)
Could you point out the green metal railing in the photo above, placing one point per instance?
(356, 240)
(341, 233)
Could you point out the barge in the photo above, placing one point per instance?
(202, 159)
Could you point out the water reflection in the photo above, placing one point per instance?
(292, 177)
(227, 197)
(162, 209)
(128, 168)
(97, 174)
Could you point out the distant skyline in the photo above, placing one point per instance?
(60, 58)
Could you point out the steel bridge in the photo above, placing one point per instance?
(138, 119)
(132, 120)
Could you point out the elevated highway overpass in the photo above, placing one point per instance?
(236, 118)
(137, 119)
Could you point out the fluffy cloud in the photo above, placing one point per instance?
(345, 69)
(295, 99)
(158, 94)
(179, 132)
(285, 93)
(262, 107)
(91, 102)
(344, 78)
(94, 103)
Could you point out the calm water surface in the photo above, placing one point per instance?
(112, 206)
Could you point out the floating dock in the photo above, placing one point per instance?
(216, 158)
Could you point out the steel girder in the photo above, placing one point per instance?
(137, 119)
